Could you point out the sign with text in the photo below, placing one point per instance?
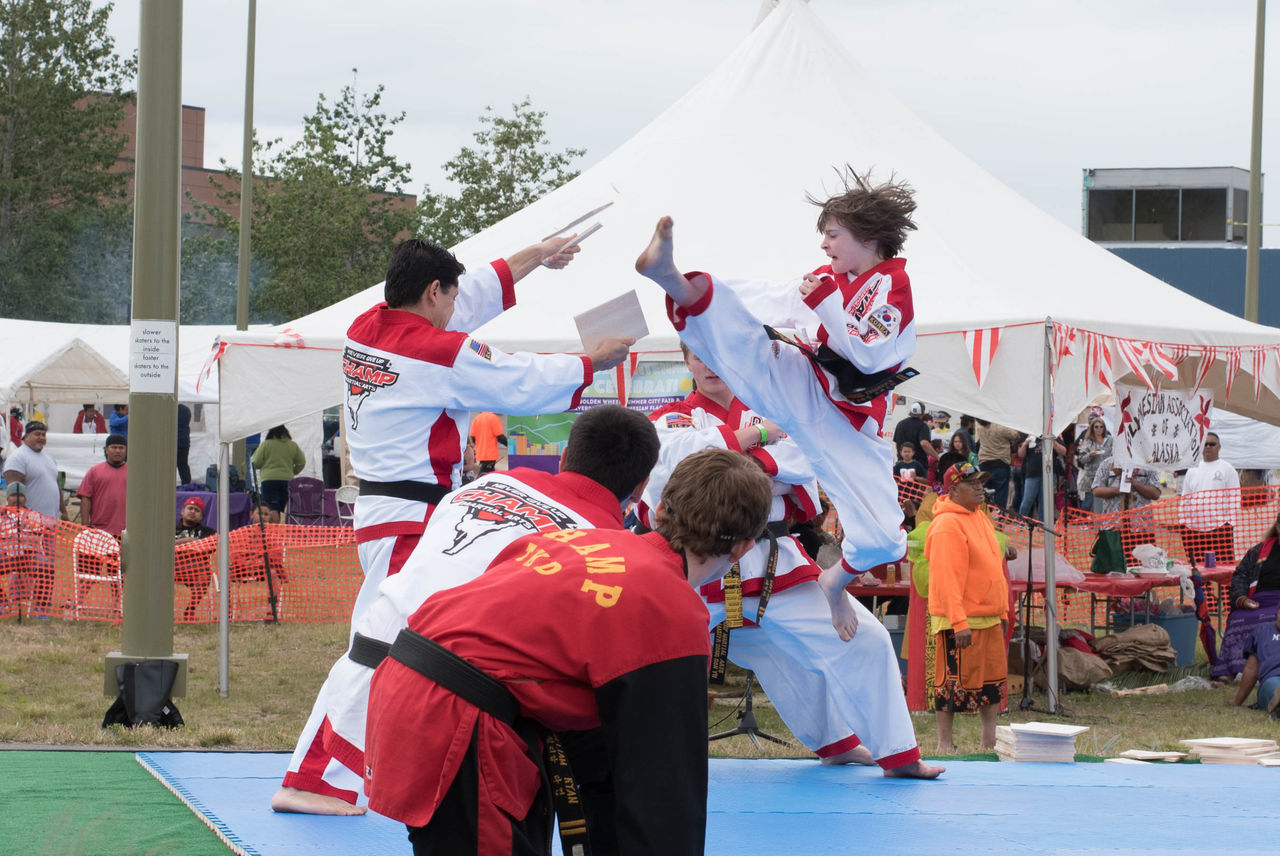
(153, 356)
(1161, 429)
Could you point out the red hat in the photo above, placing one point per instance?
(957, 473)
(196, 501)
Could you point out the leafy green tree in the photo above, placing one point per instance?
(326, 218)
(64, 218)
(510, 167)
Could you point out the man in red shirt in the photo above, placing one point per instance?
(90, 421)
(103, 489)
(566, 630)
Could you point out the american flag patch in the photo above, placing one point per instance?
(678, 420)
(481, 349)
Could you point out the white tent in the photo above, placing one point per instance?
(52, 363)
(732, 161)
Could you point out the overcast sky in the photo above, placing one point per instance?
(1032, 90)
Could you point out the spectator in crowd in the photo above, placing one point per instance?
(1032, 452)
(26, 550)
(958, 451)
(1091, 451)
(118, 421)
(184, 444)
(1130, 490)
(968, 606)
(102, 491)
(38, 471)
(191, 526)
(90, 421)
(969, 428)
(486, 431)
(15, 425)
(278, 459)
(907, 468)
(1254, 598)
(995, 450)
(913, 430)
(1210, 500)
(1262, 668)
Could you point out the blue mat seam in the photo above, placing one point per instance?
(214, 823)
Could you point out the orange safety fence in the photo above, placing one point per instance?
(57, 568)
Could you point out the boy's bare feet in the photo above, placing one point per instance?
(306, 802)
(843, 618)
(657, 262)
(859, 755)
(915, 770)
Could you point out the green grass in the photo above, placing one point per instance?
(51, 694)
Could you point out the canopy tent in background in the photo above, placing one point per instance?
(1000, 287)
(44, 367)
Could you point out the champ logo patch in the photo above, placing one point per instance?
(492, 505)
(366, 374)
(481, 349)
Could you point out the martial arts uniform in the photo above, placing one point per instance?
(585, 628)
(410, 387)
(870, 322)
(467, 530)
(832, 694)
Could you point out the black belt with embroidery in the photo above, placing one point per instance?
(733, 601)
(854, 384)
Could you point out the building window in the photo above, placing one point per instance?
(1111, 215)
(1163, 215)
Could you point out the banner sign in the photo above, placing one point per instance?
(1160, 429)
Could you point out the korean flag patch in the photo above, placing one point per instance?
(885, 320)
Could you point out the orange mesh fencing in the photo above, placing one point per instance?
(57, 568)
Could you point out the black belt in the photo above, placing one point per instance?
(411, 490)
(855, 384)
(733, 601)
(368, 651)
(456, 675)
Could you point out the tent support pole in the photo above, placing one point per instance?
(1046, 503)
(224, 572)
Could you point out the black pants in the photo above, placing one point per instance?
(453, 829)
(184, 469)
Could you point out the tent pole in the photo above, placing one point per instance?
(1046, 503)
(224, 565)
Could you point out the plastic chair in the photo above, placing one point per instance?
(306, 502)
(95, 558)
(346, 497)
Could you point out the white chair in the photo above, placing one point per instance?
(95, 558)
(346, 497)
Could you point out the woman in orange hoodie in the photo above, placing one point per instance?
(968, 606)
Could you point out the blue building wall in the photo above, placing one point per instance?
(1212, 274)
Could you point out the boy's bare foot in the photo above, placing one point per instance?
(859, 755)
(306, 802)
(843, 618)
(657, 262)
(915, 770)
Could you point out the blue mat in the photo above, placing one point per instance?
(788, 807)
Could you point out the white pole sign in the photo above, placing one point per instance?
(153, 356)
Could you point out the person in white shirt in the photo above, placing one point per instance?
(1207, 510)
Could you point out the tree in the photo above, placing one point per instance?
(326, 217)
(64, 219)
(510, 168)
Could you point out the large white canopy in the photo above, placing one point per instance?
(732, 162)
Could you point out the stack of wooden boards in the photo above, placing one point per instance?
(1038, 741)
(1235, 750)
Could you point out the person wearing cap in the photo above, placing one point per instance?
(968, 605)
(103, 489)
(90, 421)
(38, 471)
(26, 549)
(913, 430)
(191, 525)
(15, 425)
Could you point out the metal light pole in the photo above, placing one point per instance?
(153, 359)
(1254, 233)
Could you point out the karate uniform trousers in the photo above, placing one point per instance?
(832, 694)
